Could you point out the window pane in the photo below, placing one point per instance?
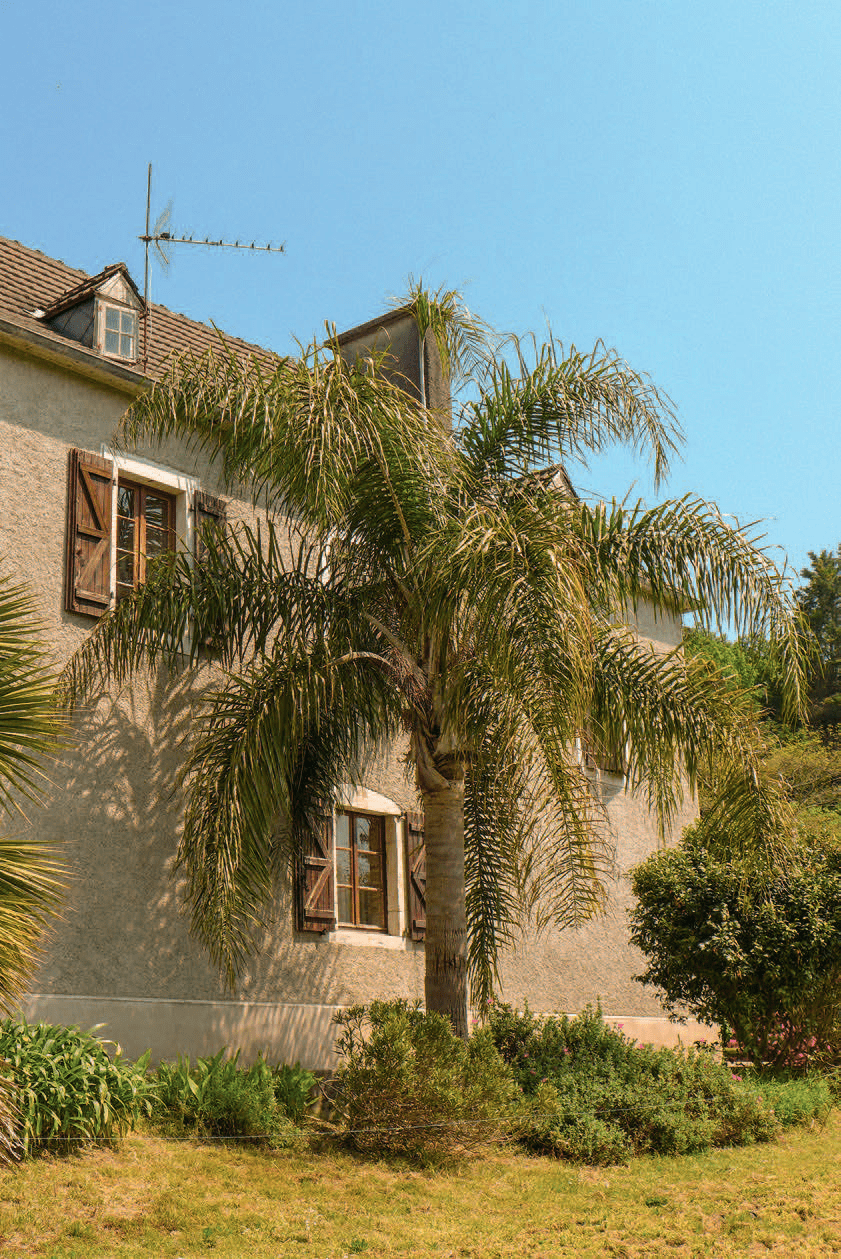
(125, 501)
(126, 347)
(342, 830)
(125, 534)
(127, 323)
(365, 839)
(157, 510)
(343, 865)
(370, 909)
(125, 569)
(112, 343)
(157, 540)
(112, 318)
(345, 905)
(368, 867)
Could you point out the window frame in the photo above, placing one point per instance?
(103, 307)
(355, 887)
(140, 556)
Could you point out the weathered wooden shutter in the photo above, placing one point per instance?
(416, 866)
(597, 756)
(316, 884)
(87, 587)
(209, 513)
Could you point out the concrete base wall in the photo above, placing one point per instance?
(283, 1032)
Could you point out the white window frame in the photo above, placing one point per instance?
(363, 800)
(102, 306)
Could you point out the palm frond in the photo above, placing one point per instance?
(566, 405)
(465, 343)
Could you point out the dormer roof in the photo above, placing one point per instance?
(101, 283)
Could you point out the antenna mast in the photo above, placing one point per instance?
(161, 237)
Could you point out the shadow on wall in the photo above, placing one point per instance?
(115, 815)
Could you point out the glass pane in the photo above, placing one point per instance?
(112, 318)
(112, 343)
(125, 501)
(157, 510)
(368, 869)
(125, 534)
(126, 347)
(371, 909)
(342, 831)
(345, 905)
(127, 322)
(342, 866)
(157, 540)
(365, 839)
(125, 568)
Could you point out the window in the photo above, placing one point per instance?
(119, 336)
(360, 870)
(362, 878)
(145, 529)
(122, 512)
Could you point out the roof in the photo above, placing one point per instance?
(31, 281)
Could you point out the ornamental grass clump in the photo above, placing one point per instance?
(408, 1085)
(70, 1087)
(216, 1098)
(592, 1095)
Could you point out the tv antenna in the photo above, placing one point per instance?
(161, 238)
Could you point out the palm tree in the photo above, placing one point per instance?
(30, 880)
(442, 583)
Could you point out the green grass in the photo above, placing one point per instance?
(162, 1198)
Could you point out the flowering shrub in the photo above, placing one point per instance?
(759, 959)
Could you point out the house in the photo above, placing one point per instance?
(79, 517)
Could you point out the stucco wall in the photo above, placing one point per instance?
(122, 954)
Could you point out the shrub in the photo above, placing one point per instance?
(759, 959)
(592, 1095)
(293, 1088)
(408, 1085)
(218, 1098)
(69, 1089)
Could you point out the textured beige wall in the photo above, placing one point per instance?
(122, 953)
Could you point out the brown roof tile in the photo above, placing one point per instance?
(31, 281)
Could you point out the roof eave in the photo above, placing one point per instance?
(50, 347)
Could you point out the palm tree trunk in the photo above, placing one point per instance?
(446, 923)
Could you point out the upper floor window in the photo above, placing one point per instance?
(145, 529)
(118, 334)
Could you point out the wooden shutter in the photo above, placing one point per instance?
(596, 755)
(209, 513)
(316, 887)
(88, 565)
(416, 866)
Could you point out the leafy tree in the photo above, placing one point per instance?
(760, 960)
(445, 585)
(820, 600)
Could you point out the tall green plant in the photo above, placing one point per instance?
(450, 587)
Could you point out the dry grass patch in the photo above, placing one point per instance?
(155, 1197)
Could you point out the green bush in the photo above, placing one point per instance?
(69, 1089)
(593, 1095)
(408, 1085)
(293, 1088)
(759, 959)
(218, 1098)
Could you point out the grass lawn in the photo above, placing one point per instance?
(155, 1197)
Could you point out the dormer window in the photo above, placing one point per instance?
(120, 332)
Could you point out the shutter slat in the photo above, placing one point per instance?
(416, 866)
(90, 485)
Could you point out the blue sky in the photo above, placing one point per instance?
(662, 175)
